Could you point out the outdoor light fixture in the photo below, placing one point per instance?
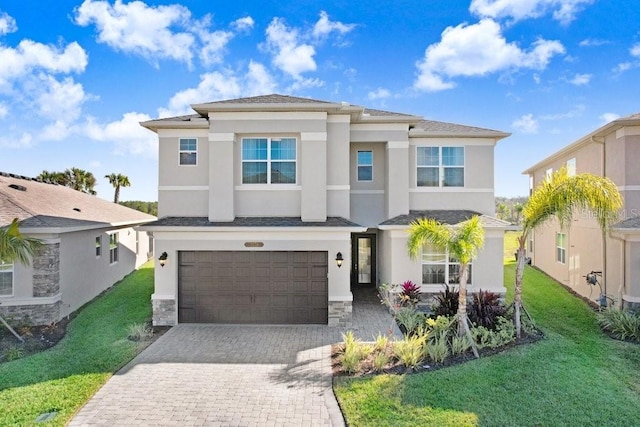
(339, 259)
(163, 259)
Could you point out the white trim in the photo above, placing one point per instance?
(380, 127)
(627, 131)
(629, 188)
(341, 298)
(441, 166)
(338, 187)
(629, 298)
(341, 118)
(268, 187)
(62, 230)
(450, 189)
(269, 161)
(367, 191)
(156, 297)
(179, 133)
(266, 115)
(397, 144)
(11, 301)
(221, 136)
(265, 234)
(313, 136)
(183, 188)
(455, 141)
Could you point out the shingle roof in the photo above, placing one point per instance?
(181, 221)
(450, 217)
(633, 222)
(382, 113)
(270, 99)
(42, 205)
(443, 128)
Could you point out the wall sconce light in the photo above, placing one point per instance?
(339, 259)
(163, 259)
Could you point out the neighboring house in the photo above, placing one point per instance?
(569, 255)
(89, 244)
(272, 208)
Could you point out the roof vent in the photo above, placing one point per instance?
(77, 209)
(18, 187)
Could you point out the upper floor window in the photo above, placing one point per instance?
(440, 166)
(113, 248)
(188, 151)
(268, 160)
(548, 174)
(98, 246)
(6, 279)
(571, 167)
(365, 166)
(439, 267)
(561, 248)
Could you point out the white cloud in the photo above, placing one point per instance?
(128, 136)
(243, 24)
(575, 112)
(592, 42)
(4, 110)
(477, 50)
(290, 54)
(609, 117)
(324, 26)
(563, 11)
(258, 80)
(635, 50)
(213, 42)
(526, 124)
(24, 140)
(581, 79)
(379, 93)
(7, 24)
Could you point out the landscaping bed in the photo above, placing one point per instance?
(36, 339)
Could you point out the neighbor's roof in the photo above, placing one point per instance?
(450, 217)
(628, 224)
(276, 102)
(280, 221)
(43, 207)
(630, 120)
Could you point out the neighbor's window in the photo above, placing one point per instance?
(571, 167)
(440, 166)
(98, 246)
(188, 151)
(439, 267)
(113, 248)
(561, 247)
(268, 160)
(365, 166)
(6, 280)
(548, 174)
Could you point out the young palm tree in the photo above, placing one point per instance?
(560, 197)
(15, 247)
(80, 180)
(118, 180)
(463, 241)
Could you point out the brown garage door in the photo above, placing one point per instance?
(252, 287)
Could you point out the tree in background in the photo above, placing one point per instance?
(75, 178)
(150, 208)
(118, 180)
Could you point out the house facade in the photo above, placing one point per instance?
(272, 208)
(569, 255)
(88, 245)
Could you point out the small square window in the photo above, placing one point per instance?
(113, 248)
(188, 151)
(365, 166)
(561, 248)
(98, 246)
(571, 167)
(6, 279)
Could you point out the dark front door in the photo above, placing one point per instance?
(363, 258)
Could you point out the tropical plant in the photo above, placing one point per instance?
(503, 334)
(409, 351)
(462, 241)
(621, 324)
(380, 360)
(380, 342)
(118, 180)
(485, 309)
(409, 293)
(446, 302)
(409, 318)
(437, 348)
(559, 197)
(75, 178)
(460, 344)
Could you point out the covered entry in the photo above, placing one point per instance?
(253, 287)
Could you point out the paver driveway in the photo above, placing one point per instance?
(223, 375)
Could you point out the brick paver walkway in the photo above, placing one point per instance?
(231, 375)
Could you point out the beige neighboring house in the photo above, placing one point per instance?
(568, 255)
(89, 245)
(273, 208)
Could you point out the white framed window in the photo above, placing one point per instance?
(439, 267)
(188, 151)
(548, 174)
(571, 167)
(365, 166)
(137, 242)
(269, 160)
(561, 248)
(113, 248)
(440, 166)
(98, 246)
(6, 279)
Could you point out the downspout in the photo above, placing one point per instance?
(603, 167)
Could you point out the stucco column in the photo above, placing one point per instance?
(221, 176)
(313, 176)
(397, 182)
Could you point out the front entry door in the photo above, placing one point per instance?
(363, 257)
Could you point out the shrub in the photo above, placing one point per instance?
(438, 348)
(409, 350)
(409, 294)
(380, 360)
(460, 344)
(14, 353)
(139, 332)
(485, 309)
(439, 325)
(380, 343)
(503, 334)
(621, 324)
(446, 302)
(353, 352)
(409, 319)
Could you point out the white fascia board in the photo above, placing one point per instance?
(253, 233)
(378, 127)
(267, 115)
(184, 133)
(451, 141)
(62, 230)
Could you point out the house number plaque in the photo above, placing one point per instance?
(253, 244)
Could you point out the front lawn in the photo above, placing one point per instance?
(64, 377)
(576, 376)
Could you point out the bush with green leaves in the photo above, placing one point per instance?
(409, 350)
(504, 333)
(446, 302)
(621, 324)
(437, 347)
(460, 344)
(409, 318)
(380, 342)
(380, 360)
(139, 332)
(353, 352)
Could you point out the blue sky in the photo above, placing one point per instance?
(77, 77)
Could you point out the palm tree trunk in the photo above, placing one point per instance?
(517, 299)
(116, 196)
(463, 324)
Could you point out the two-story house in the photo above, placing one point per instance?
(272, 208)
(569, 255)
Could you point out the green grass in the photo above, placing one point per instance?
(510, 245)
(64, 377)
(576, 376)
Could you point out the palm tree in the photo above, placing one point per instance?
(560, 197)
(52, 177)
(462, 241)
(14, 246)
(80, 180)
(118, 180)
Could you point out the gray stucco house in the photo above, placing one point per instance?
(89, 245)
(273, 208)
